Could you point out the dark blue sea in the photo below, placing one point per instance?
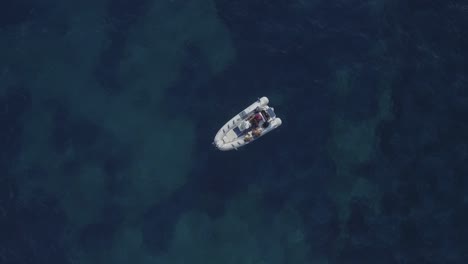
(108, 110)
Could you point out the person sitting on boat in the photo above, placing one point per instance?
(258, 117)
(256, 132)
(255, 119)
(248, 137)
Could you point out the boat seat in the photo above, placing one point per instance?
(238, 131)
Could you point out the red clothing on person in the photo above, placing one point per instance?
(258, 117)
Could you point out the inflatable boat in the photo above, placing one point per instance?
(252, 123)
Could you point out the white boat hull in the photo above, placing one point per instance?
(231, 137)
